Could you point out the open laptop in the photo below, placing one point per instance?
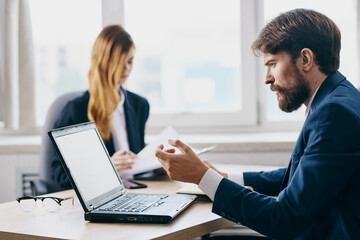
(98, 186)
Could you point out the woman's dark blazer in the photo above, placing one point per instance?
(136, 109)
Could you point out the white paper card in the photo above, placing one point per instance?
(146, 160)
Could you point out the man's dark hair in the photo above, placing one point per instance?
(302, 28)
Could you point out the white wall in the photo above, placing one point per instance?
(12, 165)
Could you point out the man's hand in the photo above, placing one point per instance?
(185, 167)
(123, 160)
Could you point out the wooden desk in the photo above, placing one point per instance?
(68, 222)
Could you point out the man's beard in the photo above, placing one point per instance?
(291, 98)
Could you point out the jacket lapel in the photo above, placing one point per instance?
(325, 89)
(131, 124)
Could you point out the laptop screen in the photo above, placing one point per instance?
(88, 162)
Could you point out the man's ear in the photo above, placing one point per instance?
(307, 59)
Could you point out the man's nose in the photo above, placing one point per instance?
(269, 78)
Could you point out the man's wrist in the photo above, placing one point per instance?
(203, 170)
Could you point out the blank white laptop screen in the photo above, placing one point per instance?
(89, 163)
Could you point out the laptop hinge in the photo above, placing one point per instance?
(91, 207)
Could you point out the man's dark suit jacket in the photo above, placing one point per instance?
(136, 109)
(319, 192)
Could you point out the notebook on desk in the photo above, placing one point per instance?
(98, 186)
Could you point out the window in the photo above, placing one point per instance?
(193, 59)
(63, 32)
(188, 61)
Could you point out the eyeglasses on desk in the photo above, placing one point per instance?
(51, 204)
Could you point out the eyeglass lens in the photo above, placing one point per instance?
(50, 204)
(27, 205)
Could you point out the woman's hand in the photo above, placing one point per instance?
(123, 160)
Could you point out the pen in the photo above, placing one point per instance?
(204, 150)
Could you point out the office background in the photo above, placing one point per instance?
(193, 63)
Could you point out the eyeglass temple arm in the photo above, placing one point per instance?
(72, 199)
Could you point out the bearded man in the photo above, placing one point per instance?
(319, 192)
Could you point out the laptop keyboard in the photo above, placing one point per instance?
(134, 202)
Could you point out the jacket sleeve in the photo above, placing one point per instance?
(330, 161)
(268, 182)
(136, 114)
